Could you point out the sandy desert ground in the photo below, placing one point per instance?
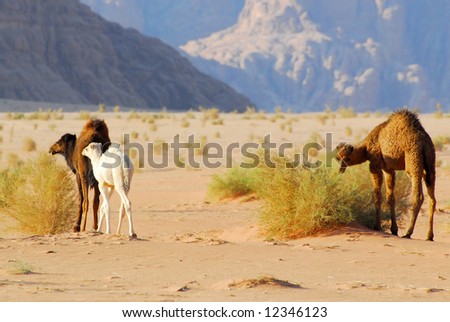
(190, 249)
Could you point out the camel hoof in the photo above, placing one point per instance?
(407, 236)
(430, 238)
(133, 237)
(76, 228)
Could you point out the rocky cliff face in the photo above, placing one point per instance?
(173, 21)
(60, 51)
(379, 54)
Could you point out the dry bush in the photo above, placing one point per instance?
(234, 183)
(40, 195)
(322, 118)
(45, 115)
(202, 150)
(133, 115)
(153, 127)
(13, 160)
(346, 112)
(440, 141)
(101, 108)
(85, 115)
(348, 131)
(15, 116)
(185, 123)
(20, 267)
(189, 115)
(159, 146)
(301, 202)
(218, 121)
(298, 202)
(29, 144)
(439, 113)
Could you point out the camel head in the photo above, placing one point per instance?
(63, 144)
(344, 156)
(93, 150)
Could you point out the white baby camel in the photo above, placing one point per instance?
(113, 170)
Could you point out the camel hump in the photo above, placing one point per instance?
(96, 125)
(410, 118)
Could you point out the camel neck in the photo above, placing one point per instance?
(359, 154)
(68, 156)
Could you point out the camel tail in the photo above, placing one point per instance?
(429, 157)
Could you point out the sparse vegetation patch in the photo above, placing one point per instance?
(40, 195)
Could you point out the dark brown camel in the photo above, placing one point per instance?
(71, 147)
(400, 143)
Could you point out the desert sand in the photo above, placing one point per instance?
(191, 249)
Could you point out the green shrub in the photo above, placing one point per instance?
(299, 202)
(20, 267)
(40, 195)
(234, 183)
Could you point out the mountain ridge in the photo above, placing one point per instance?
(369, 54)
(60, 51)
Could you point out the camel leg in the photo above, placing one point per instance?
(431, 207)
(417, 203)
(76, 228)
(390, 184)
(102, 215)
(127, 206)
(85, 203)
(121, 215)
(105, 192)
(95, 205)
(377, 177)
(110, 191)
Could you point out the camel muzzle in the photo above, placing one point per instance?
(53, 151)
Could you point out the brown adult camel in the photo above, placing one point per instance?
(71, 147)
(400, 143)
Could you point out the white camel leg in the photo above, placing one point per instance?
(121, 215)
(102, 215)
(127, 206)
(106, 193)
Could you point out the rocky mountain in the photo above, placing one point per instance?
(305, 54)
(379, 54)
(60, 51)
(173, 21)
